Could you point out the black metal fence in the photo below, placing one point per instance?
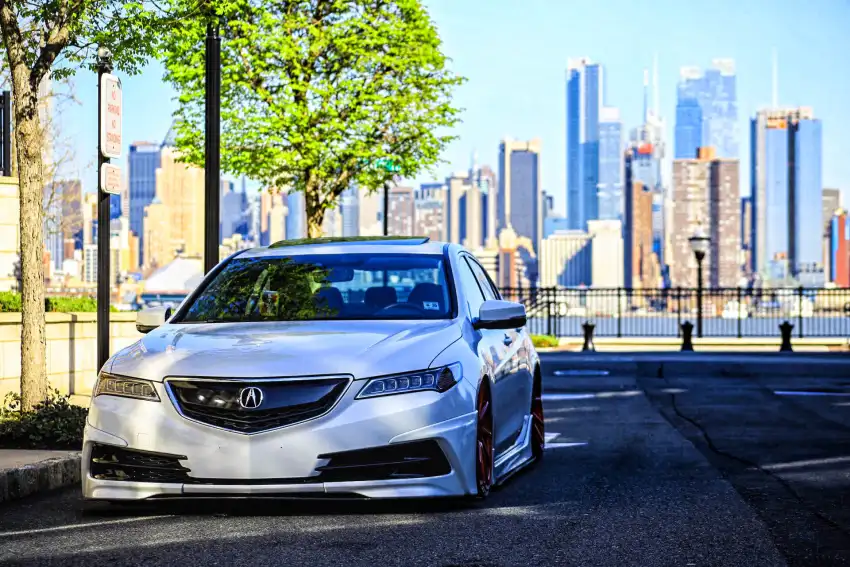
(728, 312)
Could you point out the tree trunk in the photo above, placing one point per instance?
(313, 208)
(31, 179)
(315, 220)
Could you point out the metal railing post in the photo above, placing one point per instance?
(800, 312)
(738, 314)
(619, 313)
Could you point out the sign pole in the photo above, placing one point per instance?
(212, 134)
(104, 66)
(386, 208)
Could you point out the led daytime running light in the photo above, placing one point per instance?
(437, 380)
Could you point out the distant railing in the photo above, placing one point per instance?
(727, 312)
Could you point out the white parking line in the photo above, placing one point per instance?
(80, 526)
(562, 397)
(564, 445)
(803, 393)
(559, 397)
(552, 436)
(806, 463)
(581, 373)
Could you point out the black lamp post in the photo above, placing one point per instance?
(699, 244)
(212, 134)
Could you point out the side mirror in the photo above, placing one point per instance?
(497, 314)
(149, 319)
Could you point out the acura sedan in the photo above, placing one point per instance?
(377, 368)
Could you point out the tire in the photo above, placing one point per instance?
(484, 464)
(538, 425)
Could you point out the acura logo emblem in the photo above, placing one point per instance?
(250, 398)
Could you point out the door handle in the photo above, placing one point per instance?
(507, 340)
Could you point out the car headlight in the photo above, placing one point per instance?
(435, 379)
(110, 385)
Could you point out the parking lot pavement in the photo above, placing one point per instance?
(629, 478)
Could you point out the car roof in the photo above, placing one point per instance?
(348, 245)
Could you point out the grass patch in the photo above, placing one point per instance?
(544, 341)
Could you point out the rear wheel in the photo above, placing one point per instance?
(484, 441)
(538, 429)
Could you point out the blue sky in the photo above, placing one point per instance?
(514, 54)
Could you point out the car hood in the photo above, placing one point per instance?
(272, 349)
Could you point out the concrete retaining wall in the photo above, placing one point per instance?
(71, 349)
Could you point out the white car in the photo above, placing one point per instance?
(328, 367)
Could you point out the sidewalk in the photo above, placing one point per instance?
(24, 472)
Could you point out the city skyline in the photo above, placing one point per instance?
(498, 86)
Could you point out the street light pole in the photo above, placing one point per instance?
(700, 256)
(212, 140)
(104, 65)
(386, 208)
(699, 244)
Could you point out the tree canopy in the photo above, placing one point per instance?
(315, 93)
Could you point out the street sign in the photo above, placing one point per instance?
(383, 163)
(110, 179)
(110, 116)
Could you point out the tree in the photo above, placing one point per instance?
(315, 93)
(54, 38)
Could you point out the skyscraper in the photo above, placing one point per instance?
(430, 210)
(174, 220)
(402, 211)
(594, 135)
(706, 195)
(350, 209)
(296, 215)
(455, 218)
(648, 152)
(142, 162)
(642, 268)
(787, 195)
(520, 194)
(707, 110)
(610, 188)
(724, 210)
(839, 272)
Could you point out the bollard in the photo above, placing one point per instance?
(588, 336)
(785, 329)
(687, 334)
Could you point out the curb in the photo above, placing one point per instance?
(39, 477)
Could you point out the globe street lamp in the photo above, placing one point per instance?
(699, 242)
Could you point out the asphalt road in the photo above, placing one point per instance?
(645, 471)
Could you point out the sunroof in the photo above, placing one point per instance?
(394, 240)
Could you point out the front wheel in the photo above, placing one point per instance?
(484, 441)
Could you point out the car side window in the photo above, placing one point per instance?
(483, 281)
(469, 285)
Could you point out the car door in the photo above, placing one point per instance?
(517, 381)
(493, 352)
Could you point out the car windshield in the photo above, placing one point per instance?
(325, 286)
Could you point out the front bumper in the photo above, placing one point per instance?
(285, 461)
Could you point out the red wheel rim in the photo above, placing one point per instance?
(484, 442)
(538, 429)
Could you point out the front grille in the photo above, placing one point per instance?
(401, 460)
(279, 402)
(117, 463)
